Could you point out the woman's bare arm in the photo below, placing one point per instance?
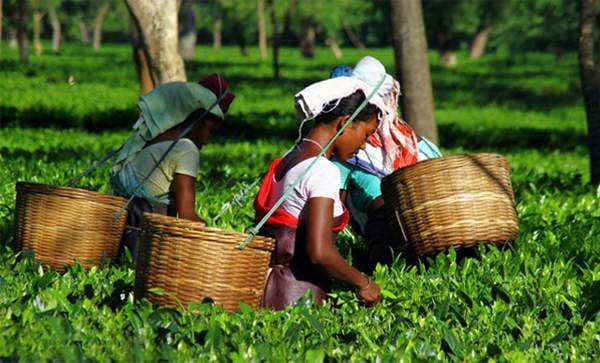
(184, 187)
(321, 249)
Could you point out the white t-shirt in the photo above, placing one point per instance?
(322, 180)
(183, 159)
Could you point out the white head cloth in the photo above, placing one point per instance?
(313, 100)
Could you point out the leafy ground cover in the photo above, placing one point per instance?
(535, 300)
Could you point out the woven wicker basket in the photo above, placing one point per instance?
(455, 201)
(190, 262)
(61, 225)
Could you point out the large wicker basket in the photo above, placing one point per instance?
(455, 201)
(61, 225)
(190, 262)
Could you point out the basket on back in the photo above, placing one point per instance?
(190, 262)
(61, 225)
(455, 201)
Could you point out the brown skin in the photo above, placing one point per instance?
(184, 186)
(321, 248)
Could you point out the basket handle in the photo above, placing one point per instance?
(399, 220)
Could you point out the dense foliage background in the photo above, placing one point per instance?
(535, 300)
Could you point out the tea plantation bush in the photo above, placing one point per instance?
(535, 300)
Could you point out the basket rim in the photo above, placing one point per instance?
(50, 189)
(443, 160)
(265, 243)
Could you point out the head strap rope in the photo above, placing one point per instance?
(253, 231)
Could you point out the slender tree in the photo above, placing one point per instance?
(84, 31)
(1, 13)
(589, 67)
(38, 15)
(353, 37)
(21, 19)
(276, 37)
(56, 28)
(412, 66)
(262, 29)
(477, 46)
(139, 58)
(187, 29)
(156, 22)
(98, 22)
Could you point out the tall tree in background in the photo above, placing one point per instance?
(21, 19)
(157, 24)
(240, 19)
(412, 66)
(55, 24)
(262, 29)
(329, 19)
(187, 29)
(280, 15)
(308, 35)
(448, 22)
(101, 13)
(139, 58)
(38, 14)
(1, 18)
(589, 67)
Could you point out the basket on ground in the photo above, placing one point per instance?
(61, 225)
(455, 201)
(190, 262)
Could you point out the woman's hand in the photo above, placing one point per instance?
(322, 251)
(369, 293)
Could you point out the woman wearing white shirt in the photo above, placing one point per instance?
(305, 226)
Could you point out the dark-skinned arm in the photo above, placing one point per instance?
(322, 251)
(184, 187)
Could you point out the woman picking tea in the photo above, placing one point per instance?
(393, 146)
(166, 112)
(305, 226)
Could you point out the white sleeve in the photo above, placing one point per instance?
(323, 181)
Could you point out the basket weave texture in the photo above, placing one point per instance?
(61, 225)
(455, 201)
(191, 262)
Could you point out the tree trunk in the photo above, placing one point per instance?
(589, 69)
(353, 38)
(307, 43)
(1, 12)
(275, 40)
(22, 40)
(447, 56)
(85, 32)
(140, 60)
(477, 46)
(12, 38)
(412, 66)
(243, 48)
(262, 29)
(448, 59)
(98, 21)
(157, 23)
(187, 29)
(37, 25)
(335, 48)
(56, 29)
(217, 33)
